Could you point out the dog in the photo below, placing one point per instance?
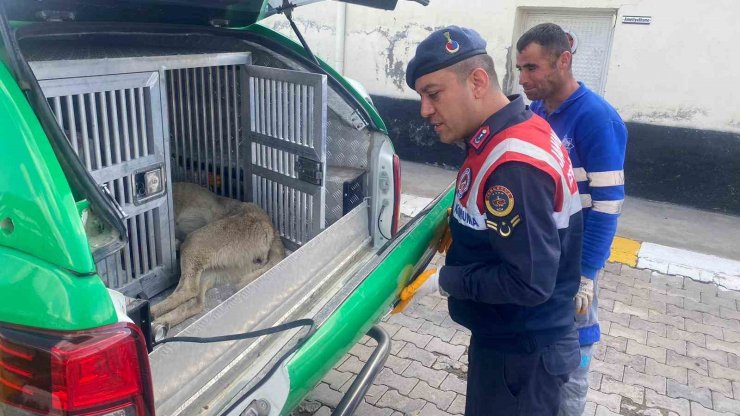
(234, 237)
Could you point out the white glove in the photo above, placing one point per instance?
(585, 295)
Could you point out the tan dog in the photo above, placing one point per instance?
(217, 233)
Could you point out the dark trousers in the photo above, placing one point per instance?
(504, 383)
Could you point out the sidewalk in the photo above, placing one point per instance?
(670, 343)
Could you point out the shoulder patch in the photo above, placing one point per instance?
(480, 137)
(499, 201)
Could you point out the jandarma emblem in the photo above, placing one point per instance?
(451, 46)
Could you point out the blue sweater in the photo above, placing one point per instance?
(596, 139)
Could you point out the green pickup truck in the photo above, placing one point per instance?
(107, 103)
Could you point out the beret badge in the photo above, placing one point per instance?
(451, 46)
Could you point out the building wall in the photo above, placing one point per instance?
(674, 82)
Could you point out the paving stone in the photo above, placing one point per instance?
(590, 409)
(717, 344)
(405, 321)
(722, 403)
(693, 305)
(431, 302)
(730, 294)
(618, 343)
(393, 400)
(594, 380)
(351, 365)
(654, 327)
(454, 383)
(729, 313)
(430, 328)
(336, 379)
(656, 353)
(398, 364)
(604, 411)
(713, 299)
(696, 337)
(686, 313)
(699, 410)
(639, 335)
(688, 294)
(677, 373)
(632, 290)
(657, 383)
(413, 352)
(734, 361)
(618, 318)
(736, 390)
(650, 304)
(606, 305)
(325, 395)
(604, 293)
(608, 281)
(405, 334)
(710, 354)
(397, 346)
(694, 326)
(458, 405)
(615, 371)
(680, 406)
(681, 390)
(323, 411)
(428, 314)
(698, 364)
(642, 275)
(670, 281)
(442, 399)
(428, 375)
(367, 409)
(363, 352)
(375, 392)
(675, 321)
(449, 323)
(715, 320)
(439, 346)
(704, 287)
(431, 410)
(449, 365)
(677, 345)
(395, 381)
(616, 357)
(460, 338)
(721, 371)
(612, 401)
(612, 268)
(697, 380)
(635, 393)
(662, 296)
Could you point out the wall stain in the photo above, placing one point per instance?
(679, 114)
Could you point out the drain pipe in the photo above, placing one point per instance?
(341, 31)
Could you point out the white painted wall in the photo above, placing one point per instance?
(681, 70)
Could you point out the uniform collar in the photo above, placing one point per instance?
(513, 113)
(570, 100)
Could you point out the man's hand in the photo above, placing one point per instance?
(425, 284)
(585, 295)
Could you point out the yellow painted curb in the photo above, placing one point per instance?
(625, 251)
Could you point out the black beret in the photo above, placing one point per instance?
(442, 48)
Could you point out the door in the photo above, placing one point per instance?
(592, 30)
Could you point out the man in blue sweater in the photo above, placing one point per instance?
(595, 137)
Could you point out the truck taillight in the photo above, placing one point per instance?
(396, 194)
(103, 371)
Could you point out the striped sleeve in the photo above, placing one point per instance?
(602, 154)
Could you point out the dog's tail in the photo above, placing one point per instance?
(277, 250)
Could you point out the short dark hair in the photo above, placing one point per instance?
(464, 68)
(548, 35)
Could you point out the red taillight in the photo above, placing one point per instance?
(104, 371)
(396, 194)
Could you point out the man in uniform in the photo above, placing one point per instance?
(595, 137)
(513, 267)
